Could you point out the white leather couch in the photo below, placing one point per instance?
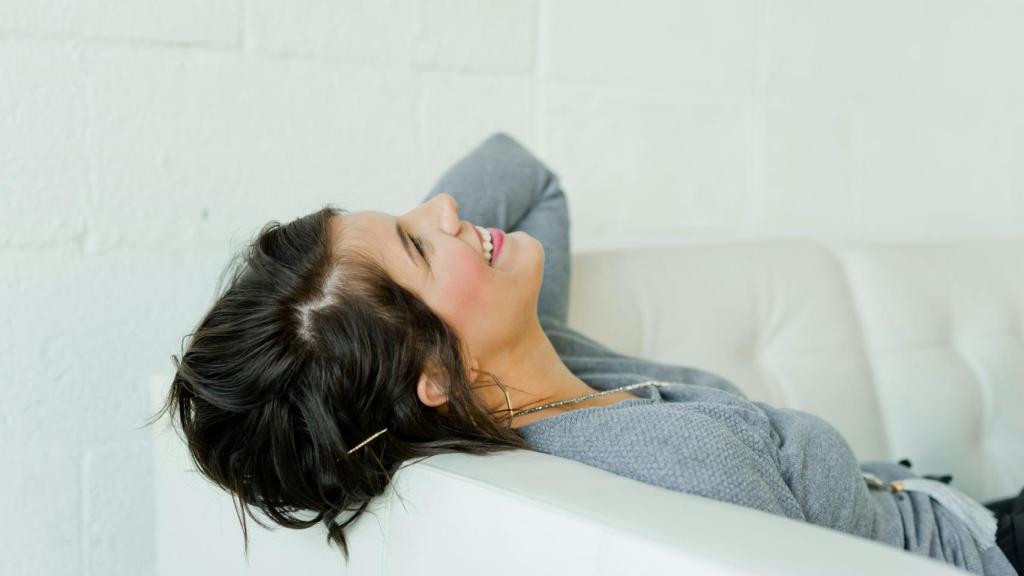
(910, 351)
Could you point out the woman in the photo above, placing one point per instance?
(350, 343)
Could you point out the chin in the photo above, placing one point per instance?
(538, 248)
(522, 252)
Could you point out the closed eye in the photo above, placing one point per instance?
(419, 246)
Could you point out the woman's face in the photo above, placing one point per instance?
(489, 307)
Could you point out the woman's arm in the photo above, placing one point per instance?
(501, 184)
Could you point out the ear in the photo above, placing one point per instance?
(430, 390)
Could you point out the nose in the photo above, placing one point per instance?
(449, 213)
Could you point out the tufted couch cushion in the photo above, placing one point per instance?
(910, 351)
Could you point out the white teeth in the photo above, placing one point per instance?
(488, 244)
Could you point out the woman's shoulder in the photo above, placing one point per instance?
(584, 355)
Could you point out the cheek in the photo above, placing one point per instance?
(464, 293)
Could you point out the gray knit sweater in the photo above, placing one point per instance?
(702, 436)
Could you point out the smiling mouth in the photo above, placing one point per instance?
(486, 236)
(498, 243)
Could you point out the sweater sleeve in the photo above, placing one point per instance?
(589, 359)
(500, 184)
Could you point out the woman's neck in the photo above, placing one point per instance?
(533, 374)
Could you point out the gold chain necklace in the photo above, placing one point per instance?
(589, 396)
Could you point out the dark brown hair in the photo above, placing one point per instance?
(308, 351)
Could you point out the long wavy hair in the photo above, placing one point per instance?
(309, 349)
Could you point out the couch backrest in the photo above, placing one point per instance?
(910, 351)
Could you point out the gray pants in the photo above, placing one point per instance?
(1010, 535)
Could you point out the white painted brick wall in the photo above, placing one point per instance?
(142, 142)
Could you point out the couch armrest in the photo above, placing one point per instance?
(528, 512)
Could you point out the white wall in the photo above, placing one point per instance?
(142, 142)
